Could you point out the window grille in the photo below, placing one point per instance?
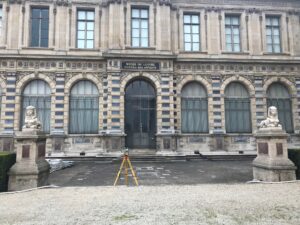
(232, 31)
(139, 27)
(1, 20)
(237, 109)
(278, 96)
(37, 93)
(39, 27)
(84, 108)
(194, 109)
(273, 34)
(85, 28)
(191, 32)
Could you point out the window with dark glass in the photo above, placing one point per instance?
(237, 109)
(85, 28)
(191, 29)
(1, 17)
(37, 93)
(39, 27)
(194, 109)
(139, 27)
(279, 96)
(273, 34)
(84, 108)
(232, 32)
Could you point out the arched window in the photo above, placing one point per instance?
(278, 96)
(194, 113)
(237, 109)
(37, 93)
(84, 108)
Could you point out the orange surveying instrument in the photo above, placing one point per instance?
(127, 165)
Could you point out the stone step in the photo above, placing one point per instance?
(155, 158)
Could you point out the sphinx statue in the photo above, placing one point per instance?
(31, 121)
(272, 120)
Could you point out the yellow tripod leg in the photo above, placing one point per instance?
(126, 171)
(117, 178)
(133, 173)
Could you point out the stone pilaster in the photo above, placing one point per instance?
(9, 104)
(115, 104)
(218, 127)
(260, 100)
(59, 105)
(57, 130)
(297, 115)
(167, 119)
(105, 103)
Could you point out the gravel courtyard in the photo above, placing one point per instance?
(195, 204)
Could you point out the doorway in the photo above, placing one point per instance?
(140, 115)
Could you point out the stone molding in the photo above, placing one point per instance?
(25, 78)
(189, 78)
(286, 82)
(73, 78)
(239, 79)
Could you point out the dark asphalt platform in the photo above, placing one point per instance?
(99, 173)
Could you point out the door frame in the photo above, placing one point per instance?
(148, 81)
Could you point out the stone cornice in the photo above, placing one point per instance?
(250, 6)
(277, 3)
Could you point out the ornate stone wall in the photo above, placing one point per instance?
(62, 65)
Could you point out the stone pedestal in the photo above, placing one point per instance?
(31, 169)
(272, 163)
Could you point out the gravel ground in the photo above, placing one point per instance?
(195, 204)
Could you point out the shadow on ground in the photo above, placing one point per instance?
(97, 173)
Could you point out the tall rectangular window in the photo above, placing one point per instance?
(273, 34)
(1, 15)
(191, 32)
(39, 27)
(139, 27)
(232, 32)
(85, 28)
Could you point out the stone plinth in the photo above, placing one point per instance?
(272, 163)
(31, 169)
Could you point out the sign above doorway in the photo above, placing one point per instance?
(130, 65)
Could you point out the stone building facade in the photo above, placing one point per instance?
(170, 76)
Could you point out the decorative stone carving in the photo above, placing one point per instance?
(272, 120)
(62, 2)
(32, 123)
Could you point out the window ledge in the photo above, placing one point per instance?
(82, 135)
(2, 47)
(235, 53)
(193, 52)
(84, 49)
(239, 134)
(275, 54)
(195, 134)
(140, 48)
(37, 48)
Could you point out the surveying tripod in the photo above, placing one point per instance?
(127, 165)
